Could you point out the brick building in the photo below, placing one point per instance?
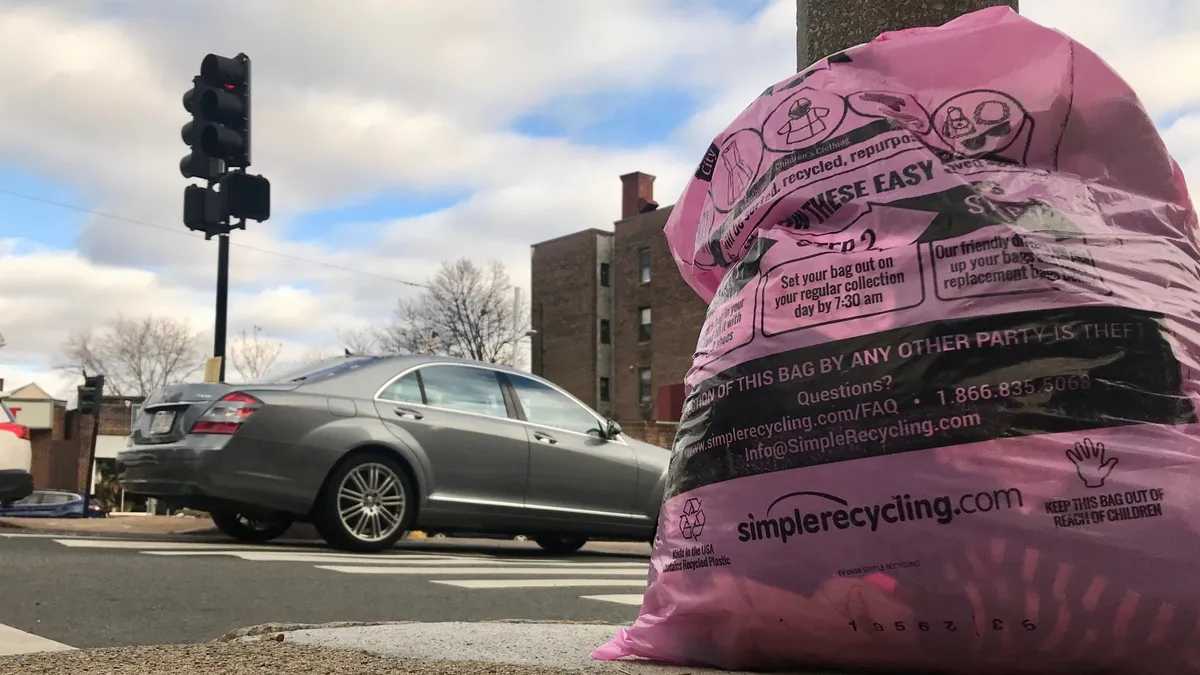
(60, 439)
(616, 323)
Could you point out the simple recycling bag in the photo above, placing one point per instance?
(942, 412)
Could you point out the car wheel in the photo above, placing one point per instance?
(560, 545)
(368, 505)
(254, 530)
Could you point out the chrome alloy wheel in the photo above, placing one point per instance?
(370, 502)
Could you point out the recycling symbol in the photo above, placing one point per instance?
(691, 521)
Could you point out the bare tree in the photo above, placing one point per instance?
(2, 342)
(467, 311)
(359, 340)
(253, 355)
(136, 356)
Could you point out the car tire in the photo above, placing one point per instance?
(250, 530)
(373, 482)
(560, 545)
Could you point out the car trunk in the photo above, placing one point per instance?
(176, 407)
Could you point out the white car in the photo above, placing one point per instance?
(16, 454)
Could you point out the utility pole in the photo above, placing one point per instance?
(825, 27)
(219, 138)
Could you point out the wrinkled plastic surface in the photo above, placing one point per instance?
(941, 416)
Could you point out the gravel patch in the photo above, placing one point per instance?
(264, 657)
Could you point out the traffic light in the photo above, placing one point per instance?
(203, 212)
(219, 133)
(246, 196)
(219, 138)
(91, 392)
(236, 195)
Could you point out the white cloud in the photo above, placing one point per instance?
(367, 95)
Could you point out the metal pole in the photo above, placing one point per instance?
(222, 301)
(825, 27)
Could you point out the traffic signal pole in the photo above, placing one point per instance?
(219, 329)
(219, 139)
(90, 401)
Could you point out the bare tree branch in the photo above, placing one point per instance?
(136, 356)
(359, 340)
(467, 311)
(252, 355)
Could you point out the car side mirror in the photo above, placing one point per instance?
(612, 429)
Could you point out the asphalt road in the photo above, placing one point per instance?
(89, 592)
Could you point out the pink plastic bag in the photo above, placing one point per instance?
(942, 411)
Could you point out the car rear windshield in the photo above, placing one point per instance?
(326, 368)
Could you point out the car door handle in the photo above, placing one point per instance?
(408, 412)
(545, 438)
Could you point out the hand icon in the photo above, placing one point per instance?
(1088, 458)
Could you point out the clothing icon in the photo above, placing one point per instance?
(994, 115)
(992, 112)
(805, 121)
(739, 174)
(982, 122)
(902, 108)
(957, 125)
(737, 163)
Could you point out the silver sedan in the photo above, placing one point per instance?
(367, 448)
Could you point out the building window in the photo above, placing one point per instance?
(643, 324)
(605, 392)
(604, 275)
(644, 264)
(605, 332)
(645, 385)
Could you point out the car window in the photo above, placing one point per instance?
(545, 406)
(5, 414)
(57, 499)
(404, 390)
(474, 390)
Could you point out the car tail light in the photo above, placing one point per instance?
(19, 430)
(227, 414)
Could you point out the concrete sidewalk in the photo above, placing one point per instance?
(492, 648)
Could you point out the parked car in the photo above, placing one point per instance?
(53, 504)
(16, 454)
(367, 448)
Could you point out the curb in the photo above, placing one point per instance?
(34, 529)
(273, 629)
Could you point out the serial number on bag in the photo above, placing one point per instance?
(1026, 625)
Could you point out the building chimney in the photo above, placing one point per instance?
(1, 384)
(637, 194)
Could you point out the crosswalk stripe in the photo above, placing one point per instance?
(624, 599)
(396, 569)
(302, 556)
(455, 569)
(127, 544)
(13, 642)
(374, 559)
(539, 583)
